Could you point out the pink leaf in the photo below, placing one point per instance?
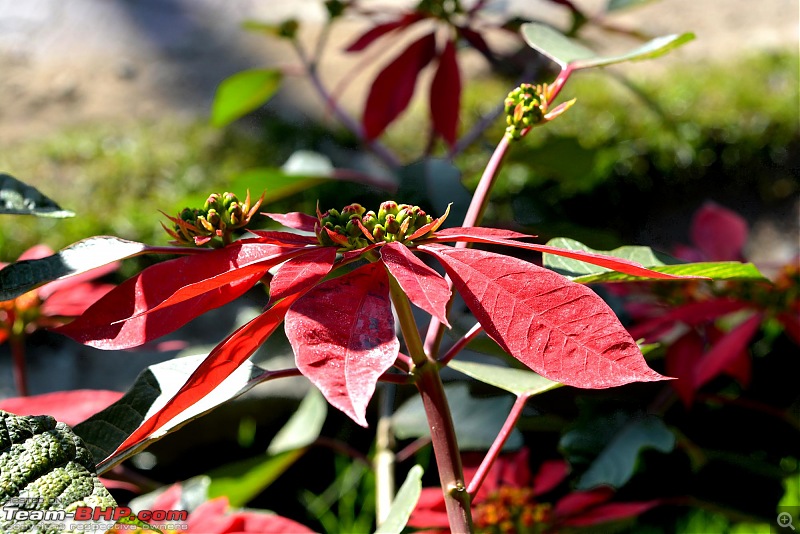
(70, 407)
(726, 350)
(578, 501)
(446, 95)
(302, 272)
(294, 219)
(342, 333)
(478, 235)
(681, 358)
(73, 300)
(425, 287)
(719, 232)
(379, 30)
(560, 329)
(393, 87)
(195, 284)
(216, 367)
(477, 231)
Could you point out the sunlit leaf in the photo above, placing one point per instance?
(342, 334)
(566, 51)
(585, 273)
(167, 295)
(516, 381)
(18, 198)
(243, 480)
(200, 390)
(106, 430)
(301, 272)
(404, 503)
(304, 426)
(18, 278)
(242, 93)
(424, 287)
(560, 329)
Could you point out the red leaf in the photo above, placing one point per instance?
(393, 87)
(342, 333)
(302, 272)
(476, 40)
(70, 407)
(477, 231)
(286, 239)
(681, 358)
(719, 232)
(560, 329)
(218, 365)
(195, 284)
(478, 235)
(550, 475)
(578, 501)
(294, 219)
(73, 300)
(378, 31)
(691, 314)
(612, 511)
(446, 95)
(725, 351)
(425, 287)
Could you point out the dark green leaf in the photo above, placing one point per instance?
(619, 440)
(566, 51)
(106, 430)
(516, 381)
(20, 277)
(18, 198)
(477, 421)
(242, 93)
(404, 503)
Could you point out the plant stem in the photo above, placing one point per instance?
(440, 420)
(480, 199)
(497, 445)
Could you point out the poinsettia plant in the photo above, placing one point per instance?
(346, 280)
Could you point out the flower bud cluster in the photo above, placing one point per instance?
(525, 106)
(219, 216)
(355, 227)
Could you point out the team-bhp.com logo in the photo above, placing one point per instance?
(86, 518)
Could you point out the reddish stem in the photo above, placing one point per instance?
(497, 446)
(459, 345)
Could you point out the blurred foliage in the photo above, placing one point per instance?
(629, 147)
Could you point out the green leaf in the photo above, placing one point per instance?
(567, 52)
(18, 278)
(242, 93)
(477, 421)
(243, 480)
(46, 466)
(586, 273)
(106, 430)
(516, 381)
(624, 438)
(404, 503)
(304, 426)
(18, 198)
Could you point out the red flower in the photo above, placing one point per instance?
(214, 517)
(508, 501)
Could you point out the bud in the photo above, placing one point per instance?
(391, 224)
(525, 106)
(389, 207)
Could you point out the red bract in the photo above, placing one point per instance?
(445, 99)
(215, 517)
(510, 499)
(342, 330)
